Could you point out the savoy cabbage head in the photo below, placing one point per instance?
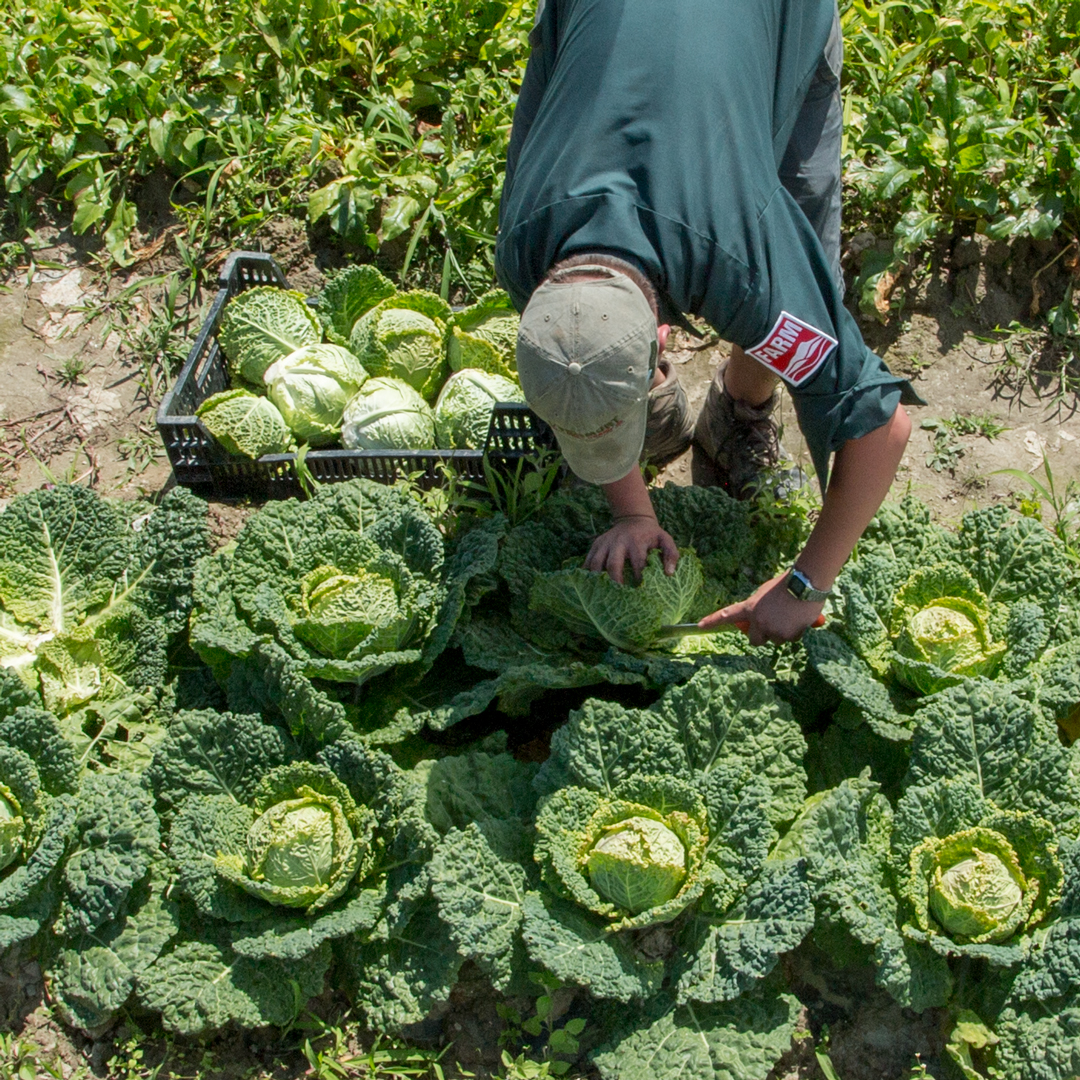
(924, 609)
(465, 405)
(403, 337)
(264, 324)
(388, 414)
(311, 388)
(484, 336)
(348, 294)
(245, 424)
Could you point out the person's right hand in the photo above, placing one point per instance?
(632, 538)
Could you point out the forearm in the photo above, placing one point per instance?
(863, 472)
(629, 497)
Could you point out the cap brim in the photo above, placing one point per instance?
(610, 457)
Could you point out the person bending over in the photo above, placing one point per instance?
(684, 156)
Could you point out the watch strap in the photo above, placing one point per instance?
(802, 588)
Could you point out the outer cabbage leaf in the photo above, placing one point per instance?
(738, 1040)
(843, 669)
(1038, 1042)
(91, 976)
(482, 804)
(116, 837)
(200, 985)
(985, 734)
(348, 294)
(208, 753)
(35, 840)
(629, 616)
(261, 325)
(401, 971)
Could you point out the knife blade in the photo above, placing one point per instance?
(686, 628)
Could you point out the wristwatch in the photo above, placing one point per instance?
(800, 586)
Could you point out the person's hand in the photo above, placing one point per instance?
(632, 538)
(771, 612)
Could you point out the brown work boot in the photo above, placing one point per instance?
(669, 428)
(742, 439)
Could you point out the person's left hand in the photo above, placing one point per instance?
(772, 613)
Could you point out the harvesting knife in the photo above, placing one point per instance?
(683, 629)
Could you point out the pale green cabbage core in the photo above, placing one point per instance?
(637, 864)
(947, 638)
(292, 845)
(11, 828)
(978, 896)
(342, 610)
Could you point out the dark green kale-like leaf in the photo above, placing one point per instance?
(984, 733)
(91, 976)
(220, 754)
(200, 985)
(116, 837)
(738, 1040)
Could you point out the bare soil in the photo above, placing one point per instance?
(78, 402)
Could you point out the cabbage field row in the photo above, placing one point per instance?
(230, 779)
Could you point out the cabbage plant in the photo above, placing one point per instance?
(484, 336)
(280, 860)
(403, 337)
(923, 609)
(316, 598)
(264, 324)
(245, 424)
(311, 388)
(388, 414)
(629, 615)
(538, 632)
(77, 883)
(466, 402)
(93, 591)
(651, 882)
(975, 864)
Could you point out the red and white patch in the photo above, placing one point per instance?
(793, 349)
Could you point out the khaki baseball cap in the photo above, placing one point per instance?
(586, 351)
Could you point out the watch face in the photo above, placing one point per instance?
(795, 585)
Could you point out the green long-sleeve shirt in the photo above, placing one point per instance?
(655, 129)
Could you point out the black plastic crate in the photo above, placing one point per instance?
(516, 432)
